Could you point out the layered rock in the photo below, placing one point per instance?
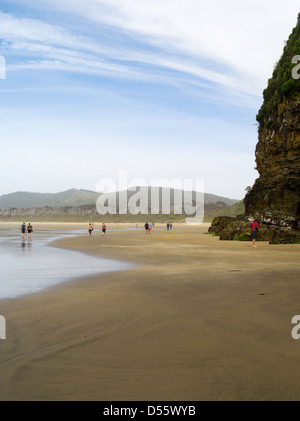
(239, 228)
(275, 195)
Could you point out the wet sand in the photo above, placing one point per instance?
(196, 319)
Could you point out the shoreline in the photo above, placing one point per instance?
(43, 266)
(196, 319)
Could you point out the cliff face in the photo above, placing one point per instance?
(44, 211)
(89, 212)
(275, 195)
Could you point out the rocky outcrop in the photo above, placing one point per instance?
(275, 195)
(274, 198)
(239, 228)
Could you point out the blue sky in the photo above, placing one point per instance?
(160, 89)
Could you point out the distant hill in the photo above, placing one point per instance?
(78, 197)
(72, 197)
(80, 205)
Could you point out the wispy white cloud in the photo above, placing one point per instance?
(14, 28)
(54, 58)
(200, 42)
(241, 40)
(238, 34)
(43, 46)
(214, 53)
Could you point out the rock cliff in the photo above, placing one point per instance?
(274, 198)
(275, 195)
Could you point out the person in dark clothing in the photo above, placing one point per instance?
(29, 231)
(23, 230)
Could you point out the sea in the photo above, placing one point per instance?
(30, 266)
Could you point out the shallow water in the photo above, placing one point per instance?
(28, 267)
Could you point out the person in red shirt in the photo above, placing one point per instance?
(254, 231)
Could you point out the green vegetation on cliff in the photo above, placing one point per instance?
(275, 195)
(236, 209)
(282, 86)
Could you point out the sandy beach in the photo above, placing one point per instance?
(196, 319)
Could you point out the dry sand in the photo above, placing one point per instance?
(196, 319)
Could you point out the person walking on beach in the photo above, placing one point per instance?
(149, 227)
(168, 226)
(254, 231)
(146, 228)
(90, 229)
(171, 225)
(29, 231)
(23, 230)
(103, 229)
